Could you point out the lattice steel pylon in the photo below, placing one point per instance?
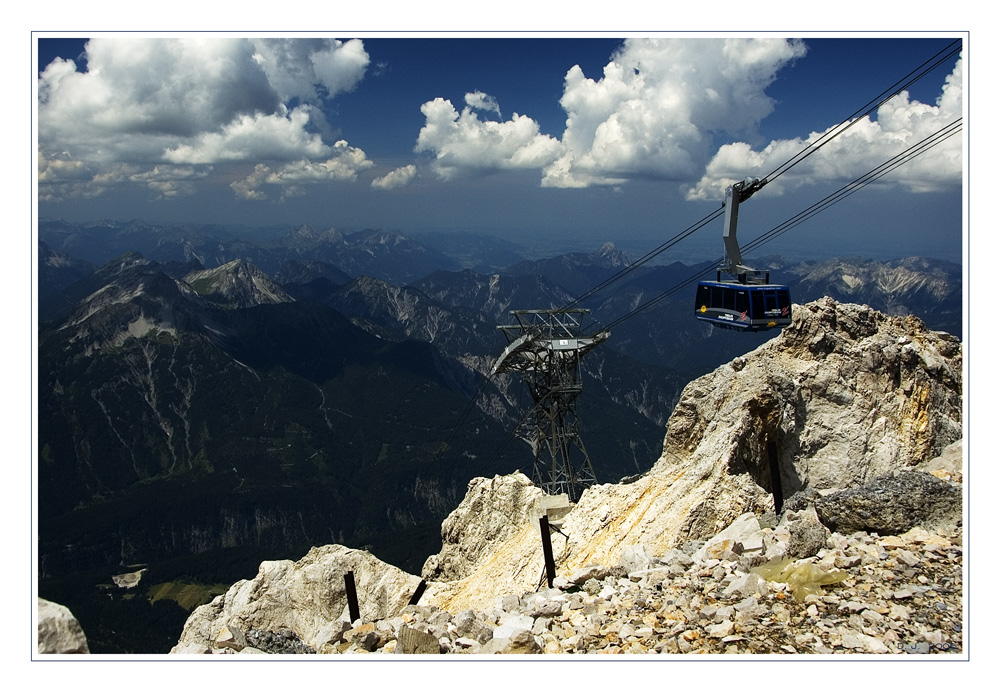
(546, 347)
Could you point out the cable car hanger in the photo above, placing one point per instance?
(747, 302)
(736, 194)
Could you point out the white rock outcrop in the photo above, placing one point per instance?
(59, 632)
(846, 392)
(501, 506)
(307, 597)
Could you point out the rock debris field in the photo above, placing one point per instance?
(857, 594)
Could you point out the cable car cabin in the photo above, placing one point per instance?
(743, 307)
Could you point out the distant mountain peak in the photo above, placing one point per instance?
(236, 284)
(612, 256)
(306, 232)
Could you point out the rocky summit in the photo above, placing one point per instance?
(793, 587)
(808, 501)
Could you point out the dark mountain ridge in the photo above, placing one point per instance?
(201, 418)
(148, 381)
(384, 254)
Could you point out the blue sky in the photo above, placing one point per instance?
(555, 141)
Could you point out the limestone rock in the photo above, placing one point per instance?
(947, 466)
(230, 637)
(806, 534)
(846, 392)
(584, 574)
(58, 631)
(635, 558)
(303, 597)
(521, 642)
(511, 625)
(414, 641)
(501, 506)
(281, 642)
(745, 529)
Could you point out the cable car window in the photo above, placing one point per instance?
(742, 301)
(728, 299)
(704, 297)
(757, 300)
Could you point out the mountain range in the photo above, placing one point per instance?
(208, 397)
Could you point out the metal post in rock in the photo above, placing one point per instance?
(550, 563)
(352, 597)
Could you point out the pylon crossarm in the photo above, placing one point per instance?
(518, 349)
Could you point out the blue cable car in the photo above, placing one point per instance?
(743, 307)
(750, 302)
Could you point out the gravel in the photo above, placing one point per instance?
(898, 595)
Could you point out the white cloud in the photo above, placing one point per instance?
(139, 95)
(295, 67)
(195, 101)
(483, 102)
(253, 137)
(344, 165)
(658, 112)
(171, 181)
(654, 112)
(61, 170)
(398, 178)
(63, 178)
(462, 143)
(249, 187)
(899, 124)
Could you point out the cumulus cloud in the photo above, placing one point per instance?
(462, 143)
(344, 165)
(898, 124)
(253, 136)
(483, 102)
(170, 181)
(654, 112)
(311, 69)
(398, 178)
(659, 112)
(64, 178)
(192, 101)
(249, 187)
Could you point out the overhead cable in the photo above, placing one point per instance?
(871, 176)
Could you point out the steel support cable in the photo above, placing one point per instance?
(852, 187)
(919, 73)
(596, 289)
(871, 176)
(645, 258)
(915, 75)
